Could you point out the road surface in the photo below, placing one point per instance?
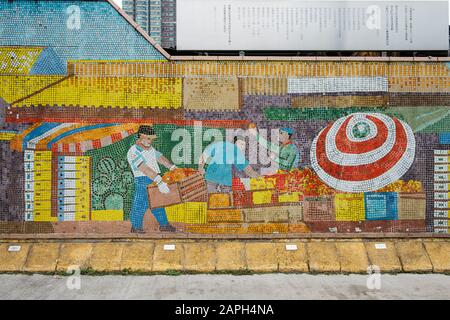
(236, 287)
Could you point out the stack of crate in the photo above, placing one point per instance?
(193, 189)
(188, 212)
(186, 201)
(318, 208)
(74, 188)
(260, 201)
(441, 190)
(253, 206)
(38, 185)
(221, 209)
(368, 206)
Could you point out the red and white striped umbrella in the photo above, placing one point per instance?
(363, 152)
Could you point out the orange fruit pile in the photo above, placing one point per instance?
(308, 183)
(410, 186)
(178, 174)
(305, 181)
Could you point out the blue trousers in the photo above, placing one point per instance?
(140, 204)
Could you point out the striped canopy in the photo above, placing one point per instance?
(71, 137)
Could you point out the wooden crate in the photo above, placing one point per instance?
(223, 215)
(190, 212)
(349, 207)
(220, 201)
(291, 214)
(190, 189)
(411, 206)
(289, 197)
(318, 209)
(265, 215)
(193, 189)
(296, 212)
(158, 199)
(381, 205)
(264, 197)
(242, 199)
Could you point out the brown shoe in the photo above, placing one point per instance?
(168, 228)
(133, 230)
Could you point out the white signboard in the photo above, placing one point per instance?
(14, 248)
(169, 247)
(311, 25)
(291, 247)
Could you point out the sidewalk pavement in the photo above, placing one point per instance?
(225, 287)
(209, 256)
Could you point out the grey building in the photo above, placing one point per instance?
(156, 17)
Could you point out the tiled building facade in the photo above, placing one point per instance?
(156, 17)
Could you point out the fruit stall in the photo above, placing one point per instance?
(289, 198)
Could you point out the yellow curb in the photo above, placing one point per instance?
(230, 256)
(386, 259)
(106, 256)
(137, 257)
(323, 257)
(13, 261)
(262, 256)
(352, 256)
(199, 257)
(439, 253)
(293, 260)
(74, 254)
(413, 256)
(164, 260)
(42, 257)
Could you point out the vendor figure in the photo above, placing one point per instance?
(285, 154)
(220, 158)
(143, 160)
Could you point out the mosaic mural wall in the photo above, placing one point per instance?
(108, 136)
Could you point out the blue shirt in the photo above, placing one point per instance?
(221, 157)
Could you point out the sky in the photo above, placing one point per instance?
(119, 2)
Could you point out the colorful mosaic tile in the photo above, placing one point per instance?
(109, 92)
(13, 88)
(74, 30)
(99, 131)
(211, 94)
(17, 60)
